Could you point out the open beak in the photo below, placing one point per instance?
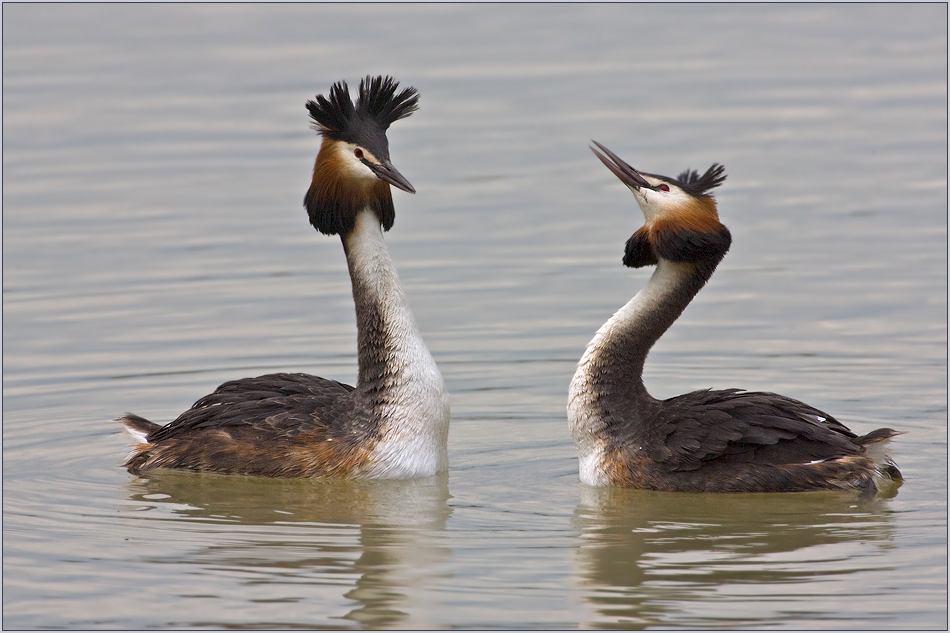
(627, 174)
(386, 172)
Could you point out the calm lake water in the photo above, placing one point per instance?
(154, 245)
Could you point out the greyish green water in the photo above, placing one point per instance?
(154, 245)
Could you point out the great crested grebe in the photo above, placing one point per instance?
(395, 422)
(705, 441)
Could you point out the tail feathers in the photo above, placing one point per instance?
(889, 470)
(138, 427)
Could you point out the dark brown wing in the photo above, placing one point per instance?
(742, 427)
(277, 425)
(263, 402)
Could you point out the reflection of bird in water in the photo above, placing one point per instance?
(297, 553)
(650, 559)
(394, 423)
(705, 441)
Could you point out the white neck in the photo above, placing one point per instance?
(607, 390)
(644, 318)
(629, 334)
(397, 374)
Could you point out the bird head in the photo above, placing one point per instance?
(353, 169)
(681, 220)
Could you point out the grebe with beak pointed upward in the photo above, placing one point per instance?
(705, 441)
(394, 423)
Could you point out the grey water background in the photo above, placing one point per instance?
(154, 245)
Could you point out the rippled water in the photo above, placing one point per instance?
(154, 245)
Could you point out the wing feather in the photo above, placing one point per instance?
(693, 430)
(312, 424)
(276, 404)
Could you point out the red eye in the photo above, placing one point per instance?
(358, 153)
(663, 187)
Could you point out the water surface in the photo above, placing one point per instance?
(154, 245)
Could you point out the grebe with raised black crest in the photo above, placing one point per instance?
(394, 423)
(705, 441)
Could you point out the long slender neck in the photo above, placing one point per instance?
(613, 362)
(400, 394)
(390, 345)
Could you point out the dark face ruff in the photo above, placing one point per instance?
(703, 247)
(333, 200)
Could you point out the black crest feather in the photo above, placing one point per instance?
(331, 115)
(692, 183)
(377, 102)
